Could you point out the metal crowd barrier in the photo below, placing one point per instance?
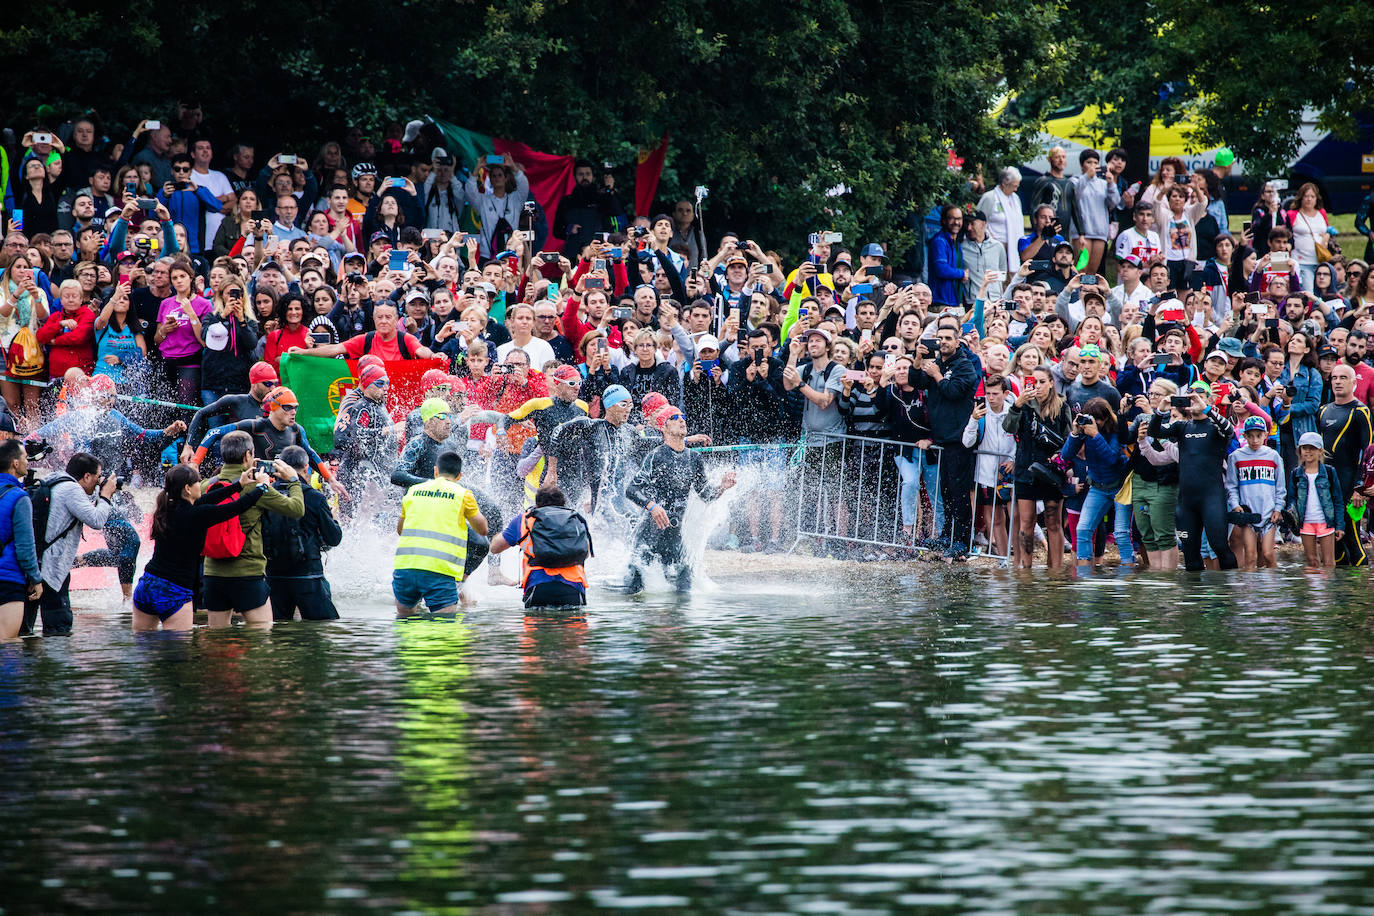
(850, 491)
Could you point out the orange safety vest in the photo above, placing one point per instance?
(575, 574)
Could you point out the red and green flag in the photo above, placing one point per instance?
(550, 176)
(320, 384)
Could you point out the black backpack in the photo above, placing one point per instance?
(41, 495)
(285, 543)
(558, 537)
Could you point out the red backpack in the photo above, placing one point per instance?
(224, 541)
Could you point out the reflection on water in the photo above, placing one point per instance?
(956, 740)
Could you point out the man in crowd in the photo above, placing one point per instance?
(293, 546)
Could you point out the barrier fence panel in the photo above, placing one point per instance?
(866, 491)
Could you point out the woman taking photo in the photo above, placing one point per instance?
(178, 336)
(23, 310)
(166, 590)
(229, 343)
(1154, 481)
(238, 224)
(290, 331)
(121, 349)
(1040, 419)
(1094, 431)
(37, 196)
(1301, 382)
(1169, 168)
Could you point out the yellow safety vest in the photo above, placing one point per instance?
(435, 536)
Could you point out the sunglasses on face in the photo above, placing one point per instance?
(292, 407)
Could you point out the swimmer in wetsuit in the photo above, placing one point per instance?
(665, 481)
(590, 455)
(1203, 438)
(271, 434)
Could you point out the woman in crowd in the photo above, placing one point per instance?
(166, 591)
(230, 343)
(1040, 419)
(1266, 214)
(23, 310)
(238, 224)
(121, 343)
(178, 335)
(291, 330)
(1094, 431)
(1170, 167)
(1310, 238)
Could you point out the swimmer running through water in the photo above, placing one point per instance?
(666, 479)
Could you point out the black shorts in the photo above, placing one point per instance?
(1032, 490)
(11, 592)
(234, 593)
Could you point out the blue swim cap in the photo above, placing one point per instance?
(614, 395)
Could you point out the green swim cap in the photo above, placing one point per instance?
(1356, 512)
(1225, 157)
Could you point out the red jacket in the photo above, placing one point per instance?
(69, 348)
(574, 329)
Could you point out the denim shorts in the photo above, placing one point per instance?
(437, 590)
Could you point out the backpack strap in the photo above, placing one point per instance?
(404, 344)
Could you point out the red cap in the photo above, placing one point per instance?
(101, 384)
(367, 359)
(369, 375)
(568, 375)
(434, 378)
(652, 402)
(660, 416)
(262, 371)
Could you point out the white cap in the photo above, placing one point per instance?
(708, 342)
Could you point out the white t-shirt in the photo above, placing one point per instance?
(1312, 512)
(1307, 231)
(1132, 242)
(1142, 295)
(217, 184)
(537, 350)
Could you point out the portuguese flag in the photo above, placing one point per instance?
(320, 384)
(550, 176)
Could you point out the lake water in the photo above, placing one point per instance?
(931, 738)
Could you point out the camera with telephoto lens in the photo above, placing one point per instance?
(37, 449)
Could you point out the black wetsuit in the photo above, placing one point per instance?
(234, 406)
(591, 457)
(1202, 451)
(666, 478)
(1346, 433)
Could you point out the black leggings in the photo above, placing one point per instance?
(1200, 511)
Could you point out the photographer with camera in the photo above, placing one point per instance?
(293, 547)
(1040, 419)
(67, 499)
(1094, 431)
(1046, 233)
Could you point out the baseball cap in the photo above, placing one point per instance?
(281, 396)
(433, 407)
(379, 236)
(354, 256)
(1217, 354)
(1132, 260)
(614, 395)
(978, 215)
(1328, 353)
(1063, 244)
(1090, 351)
(440, 156)
(262, 371)
(736, 258)
(821, 331)
(568, 375)
(1255, 423)
(417, 293)
(217, 337)
(1201, 387)
(487, 288)
(873, 250)
(1312, 439)
(707, 342)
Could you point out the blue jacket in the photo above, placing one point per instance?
(1107, 463)
(1306, 389)
(1328, 494)
(18, 557)
(946, 269)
